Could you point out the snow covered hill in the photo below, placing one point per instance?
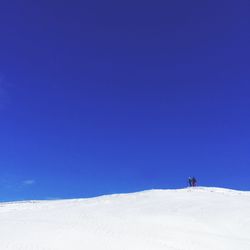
(184, 219)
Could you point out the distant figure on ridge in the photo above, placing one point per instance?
(192, 182)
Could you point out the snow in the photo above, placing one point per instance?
(184, 219)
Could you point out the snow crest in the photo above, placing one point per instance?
(184, 219)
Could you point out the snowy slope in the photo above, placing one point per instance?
(185, 219)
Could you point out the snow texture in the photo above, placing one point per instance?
(185, 219)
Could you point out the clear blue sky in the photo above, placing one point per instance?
(101, 97)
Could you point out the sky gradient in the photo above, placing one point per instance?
(104, 97)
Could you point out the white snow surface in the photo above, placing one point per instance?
(184, 219)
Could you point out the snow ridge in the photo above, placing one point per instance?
(182, 219)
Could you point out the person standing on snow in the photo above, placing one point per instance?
(190, 182)
(194, 182)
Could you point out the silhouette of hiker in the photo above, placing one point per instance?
(194, 182)
(190, 181)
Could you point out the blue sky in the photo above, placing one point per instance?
(104, 97)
